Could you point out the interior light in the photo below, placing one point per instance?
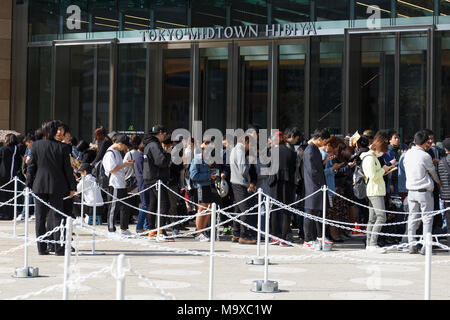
(415, 6)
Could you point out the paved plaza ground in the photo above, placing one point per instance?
(167, 270)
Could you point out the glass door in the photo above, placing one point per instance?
(213, 89)
(82, 87)
(176, 84)
(254, 62)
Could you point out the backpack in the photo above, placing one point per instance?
(359, 183)
(98, 171)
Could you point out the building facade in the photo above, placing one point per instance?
(345, 65)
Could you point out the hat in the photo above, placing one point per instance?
(123, 139)
(112, 134)
(446, 143)
(158, 129)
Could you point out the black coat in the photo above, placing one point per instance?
(156, 161)
(49, 170)
(7, 160)
(282, 184)
(314, 177)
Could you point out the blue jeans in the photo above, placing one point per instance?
(142, 222)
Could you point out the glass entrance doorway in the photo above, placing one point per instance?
(82, 88)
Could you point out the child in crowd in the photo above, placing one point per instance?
(92, 196)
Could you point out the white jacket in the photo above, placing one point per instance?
(89, 190)
(419, 169)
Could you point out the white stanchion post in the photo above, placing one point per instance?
(94, 217)
(258, 239)
(211, 252)
(67, 254)
(324, 210)
(120, 288)
(82, 201)
(27, 213)
(428, 254)
(266, 248)
(158, 218)
(15, 204)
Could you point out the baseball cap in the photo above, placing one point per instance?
(446, 143)
(112, 134)
(123, 139)
(158, 129)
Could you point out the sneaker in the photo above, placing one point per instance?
(20, 218)
(327, 241)
(246, 241)
(164, 238)
(308, 244)
(125, 233)
(285, 244)
(201, 238)
(274, 242)
(152, 235)
(235, 239)
(376, 249)
(32, 217)
(175, 232)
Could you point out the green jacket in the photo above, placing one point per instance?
(374, 173)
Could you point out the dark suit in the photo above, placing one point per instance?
(50, 176)
(282, 186)
(314, 179)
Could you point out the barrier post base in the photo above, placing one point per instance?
(26, 272)
(258, 261)
(91, 253)
(261, 286)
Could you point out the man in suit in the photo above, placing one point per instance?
(314, 179)
(50, 176)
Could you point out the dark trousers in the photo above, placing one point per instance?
(43, 214)
(447, 219)
(7, 211)
(153, 207)
(281, 219)
(118, 208)
(312, 228)
(239, 230)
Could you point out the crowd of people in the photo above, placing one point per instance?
(393, 177)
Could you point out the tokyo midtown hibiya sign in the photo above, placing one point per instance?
(234, 32)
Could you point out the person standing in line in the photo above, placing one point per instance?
(282, 185)
(420, 173)
(242, 188)
(142, 224)
(444, 176)
(156, 167)
(202, 178)
(375, 191)
(10, 165)
(92, 195)
(131, 173)
(314, 179)
(50, 176)
(115, 169)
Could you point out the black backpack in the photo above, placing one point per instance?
(98, 171)
(359, 183)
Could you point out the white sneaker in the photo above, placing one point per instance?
(202, 238)
(125, 233)
(32, 217)
(317, 245)
(20, 218)
(376, 249)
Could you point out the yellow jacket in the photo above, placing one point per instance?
(373, 173)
